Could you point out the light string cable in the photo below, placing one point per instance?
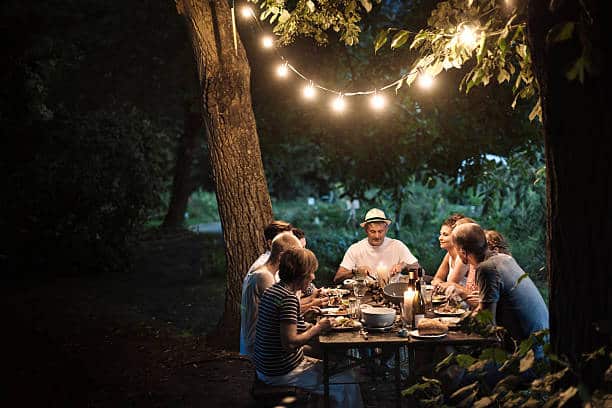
(248, 12)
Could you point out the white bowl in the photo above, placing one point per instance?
(378, 316)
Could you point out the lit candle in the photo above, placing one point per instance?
(407, 309)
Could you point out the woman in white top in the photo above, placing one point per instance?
(451, 272)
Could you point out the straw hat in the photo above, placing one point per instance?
(375, 215)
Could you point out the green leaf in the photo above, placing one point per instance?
(485, 402)
(523, 276)
(485, 317)
(284, 16)
(399, 39)
(445, 362)
(366, 5)
(577, 70)
(503, 75)
(465, 393)
(561, 32)
(525, 346)
(527, 361)
(494, 353)
(481, 48)
(380, 40)
(464, 360)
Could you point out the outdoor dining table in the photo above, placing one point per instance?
(341, 341)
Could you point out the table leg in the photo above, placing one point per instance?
(326, 378)
(398, 379)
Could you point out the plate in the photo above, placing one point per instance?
(416, 335)
(356, 326)
(335, 291)
(449, 320)
(334, 311)
(438, 299)
(459, 312)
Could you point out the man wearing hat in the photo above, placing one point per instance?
(380, 257)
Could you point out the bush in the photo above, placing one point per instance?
(84, 192)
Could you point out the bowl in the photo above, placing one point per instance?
(348, 283)
(378, 316)
(394, 292)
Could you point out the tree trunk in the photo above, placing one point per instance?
(181, 185)
(241, 188)
(577, 132)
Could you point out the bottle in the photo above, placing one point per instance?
(403, 276)
(418, 305)
(420, 273)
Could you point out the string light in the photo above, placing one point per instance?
(267, 42)
(282, 70)
(467, 37)
(377, 101)
(309, 91)
(425, 80)
(338, 103)
(247, 12)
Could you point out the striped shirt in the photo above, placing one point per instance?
(277, 305)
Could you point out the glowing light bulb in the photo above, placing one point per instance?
(468, 37)
(338, 104)
(267, 42)
(282, 70)
(378, 102)
(425, 81)
(309, 91)
(247, 12)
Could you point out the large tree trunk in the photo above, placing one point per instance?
(577, 134)
(241, 188)
(181, 185)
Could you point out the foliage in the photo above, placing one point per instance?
(494, 377)
(86, 187)
(490, 35)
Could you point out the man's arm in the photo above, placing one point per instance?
(342, 274)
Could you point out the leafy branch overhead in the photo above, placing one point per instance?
(485, 37)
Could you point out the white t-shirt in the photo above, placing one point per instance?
(254, 285)
(389, 253)
(263, 258)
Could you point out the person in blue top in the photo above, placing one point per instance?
(516, 306)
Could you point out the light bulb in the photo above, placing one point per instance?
(246, 12)
(338, 104)
(309, 91)
(377, 102)
(267, 42)
(468, 37)
(425, 81)
(282, 70)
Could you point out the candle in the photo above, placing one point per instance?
(407, 307)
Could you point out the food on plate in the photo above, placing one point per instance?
(344, 322)
(335, 301)
(340, 310)
(448, 309)
(438, 298)
(431, 327)
(335, 292)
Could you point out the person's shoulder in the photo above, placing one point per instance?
(394, 242)
(358, 245)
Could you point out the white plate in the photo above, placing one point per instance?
(334, 311)
(416, 335)
(335, 291)
(459, 312)
(449, 320)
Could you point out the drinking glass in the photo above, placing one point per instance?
(360, 287)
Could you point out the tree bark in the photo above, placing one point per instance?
(241, 188)
(577, 132)
(181, 185)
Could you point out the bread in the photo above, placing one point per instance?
(431, 327)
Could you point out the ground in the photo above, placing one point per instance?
(136, 339)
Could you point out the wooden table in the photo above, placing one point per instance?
(343, 341)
